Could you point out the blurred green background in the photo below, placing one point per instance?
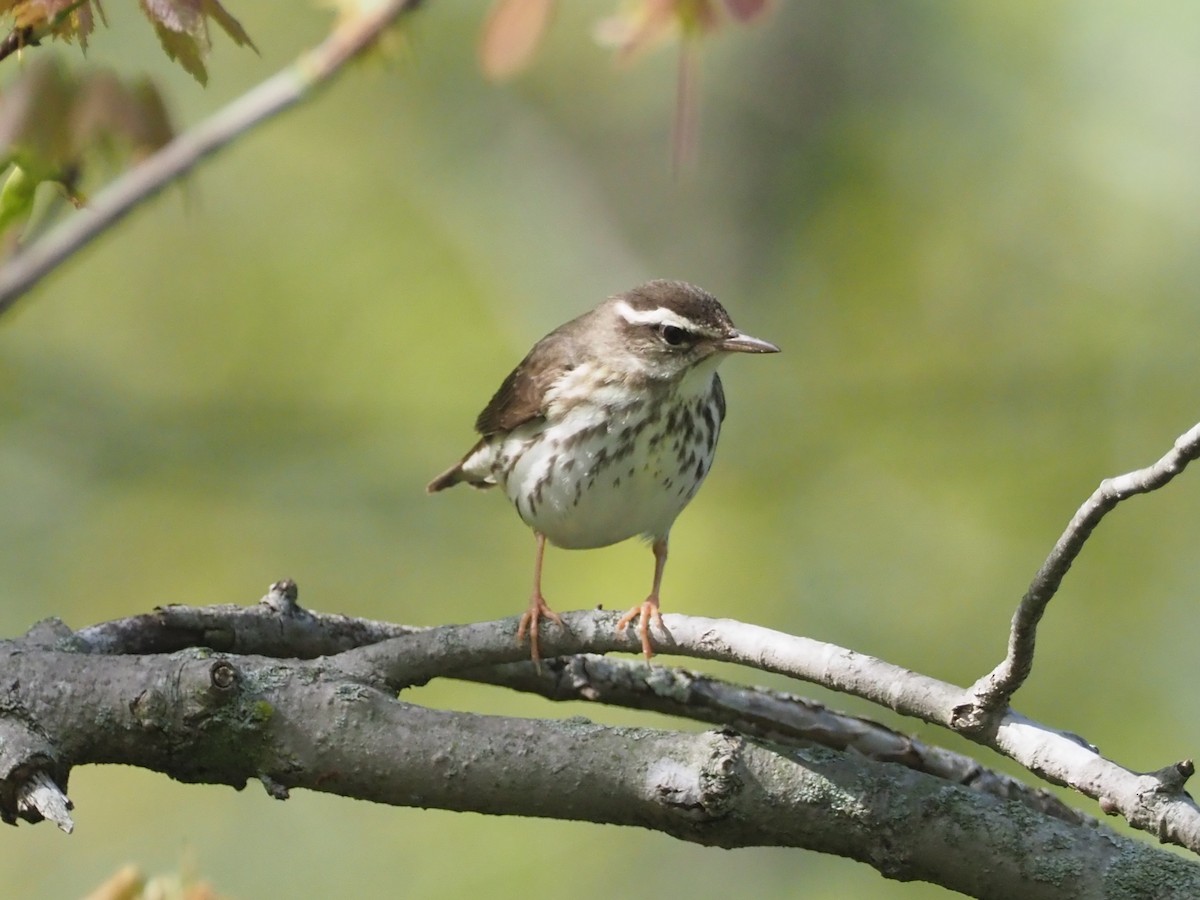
(971, 227)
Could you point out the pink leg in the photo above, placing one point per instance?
(647, 610)
(537, 604)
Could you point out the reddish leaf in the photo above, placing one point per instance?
(83, 23)
(65, 19)
(178, 16)
(182, 29)
(184, 49)
(53, 119)
(639, 28)
(110, 115)
(685, 133)
(33, 116)
(511, 35)
(646, 23)
(151, 126)
(27, 13)
(747, 10)
(228, 23)
(642, 25)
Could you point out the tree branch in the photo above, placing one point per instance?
(307, 724)
(772, 715)
(991, 694)
(1145, 800)
(285, 89)
(1153, 802)
(775, 716)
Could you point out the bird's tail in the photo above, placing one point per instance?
(449, 478)
(456, 475)
(472, 468)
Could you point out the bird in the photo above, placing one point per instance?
(606, 430)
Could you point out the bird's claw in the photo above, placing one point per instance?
(529, 622)
(645, 613)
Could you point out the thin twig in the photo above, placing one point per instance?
(279, 92)
(17, 39)
(990, 695)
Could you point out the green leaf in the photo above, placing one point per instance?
(16, 198)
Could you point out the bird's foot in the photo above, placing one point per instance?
(537, 611)
(645, 612)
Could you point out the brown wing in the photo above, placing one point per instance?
(522, 396)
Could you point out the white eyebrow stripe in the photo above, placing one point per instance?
(658, 316)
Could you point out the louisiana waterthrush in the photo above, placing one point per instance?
(607, 428)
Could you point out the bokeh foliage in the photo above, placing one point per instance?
(970, 227)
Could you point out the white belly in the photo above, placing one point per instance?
(593, 479)
(592, 498)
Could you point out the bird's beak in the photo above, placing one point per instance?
(743, 343)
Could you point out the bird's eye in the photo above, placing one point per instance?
(673, 335)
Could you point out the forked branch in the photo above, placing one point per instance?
(394, 657)
(334, 724)
(990, 695)
(278, 627)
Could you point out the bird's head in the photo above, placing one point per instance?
(666, 330)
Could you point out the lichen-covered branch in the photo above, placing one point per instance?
(279, 627)
(1147, 802)
(229, 719)
(386, 657)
